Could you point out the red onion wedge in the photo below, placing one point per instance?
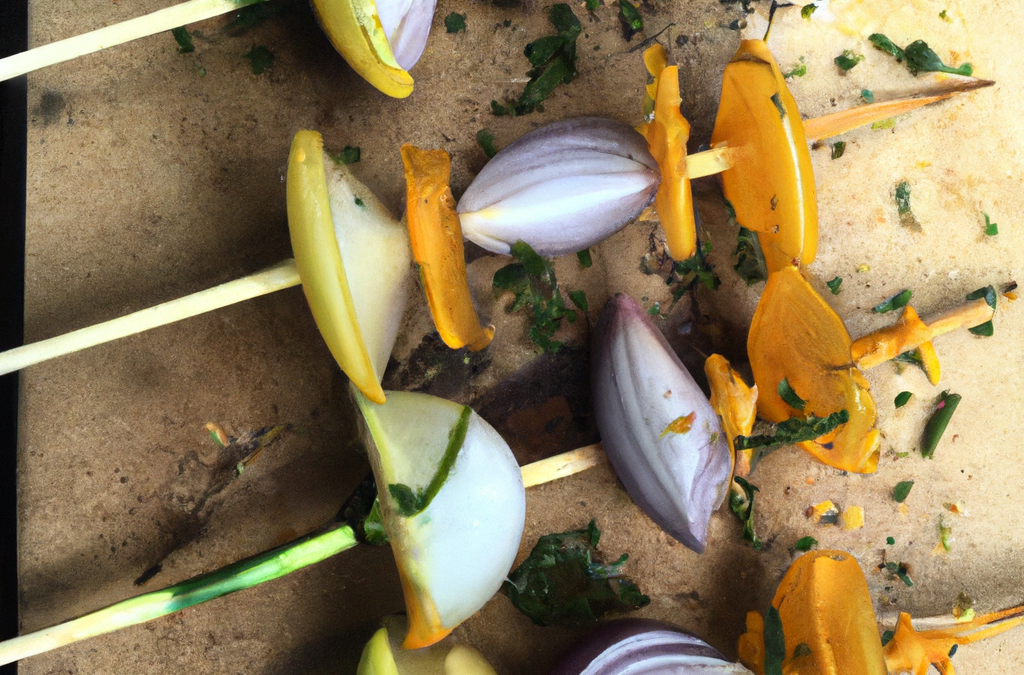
(561, 188)
(661, 435)
(644, 647)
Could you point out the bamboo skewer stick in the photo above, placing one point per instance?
(276, 278)
(305, 551)
(126, 31)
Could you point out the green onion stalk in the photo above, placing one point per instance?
(266, 566)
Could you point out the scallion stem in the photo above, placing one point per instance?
(235, 577)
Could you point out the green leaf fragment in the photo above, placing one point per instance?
(902, 398)
(888, 635)
(913, 357)
(794, 430)
(867, 95)
(741, 503)
(592, 5)
(890, 540)
(777, 100)
(184, 40)
(838, 148)
(936, 425)
(485, 139)
(532, 280)
(750, 264)
(373, 526)
(349, 155)
(789, 395)
(579, 298)
(848, 59)
(807, 10)
(584, 258)
(798, 71)
(899, 570)
(630, 16)
(902, 490)
(887, 123)
(922, 59)
(774, 642)
(984, 330)
(260, 58)
(805, 544)
(991, 229)
(694, 270)
(945, 535)
(886, 45)
(988, 293)
(409, 503)
(565, 582)
(455, 22)
(834, 284)
(945, 17)
(554, 61)
(897, 301)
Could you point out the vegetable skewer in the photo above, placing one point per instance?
(109, 36)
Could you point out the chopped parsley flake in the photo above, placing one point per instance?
(777, 100)
(260, 58)
(695, 269)
(750, 264)
(807, 10)
(834, 285)
(902, 398)
(902, 490)
(945, 17)
(584, 258)
(895, 302)
(838, 148)
(890, 540)
(805, 544)
(349, 155)
(632, 22)
(532, 280)
(991, 229)
(848, 59)
(989, 294)
(790, 396)
(485, 139)
(907, 218)
(867, 95)
(455, 22)
(360, 202)
(741, 502)
(592, 5)
(184, 40)
(554, 62)
(899, 570)
(798, 71)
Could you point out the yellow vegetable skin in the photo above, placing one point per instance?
(823, 603)
(354, 28)
(436, 237)
(795, 335)
(320, 266)
(771, 183)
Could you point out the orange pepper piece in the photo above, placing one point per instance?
(436, 237)
(913, 652)
(735, 403)
(771, 183)
(795, 335)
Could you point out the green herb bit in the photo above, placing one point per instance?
(777, 100)
(654, 310)
(455, 22)
(936, 425)
(945, 535)
(789, 395)
(349, 155)
(989, 294)
(984, 330)
(890, 540)
(630, 17)
(907, 218)
(794, 430)
(554, 62)
(945, 17)
(888, 635)
(532, 280)
(584, 258)
(887, 123)
(902, 398)
(565, 582)
(897, 301)
(900, 570)
(798, 71)
(807, 10)
(579, 298)
(805, 544)
(695, 269)
(834, 284)
(922, 59)
(592, 5)
(485, 139)
(409, 503)
(991, 229)
(867, 95)
(913, 357)
(848, 59)
(253, 14)
(260, 58)
(373, 526)
(184, 40)
(774, 642)
(902, 490)
(750, 264)
(741, 503)
(887, 46)
(360, 202)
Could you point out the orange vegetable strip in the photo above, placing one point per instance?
(436, 237)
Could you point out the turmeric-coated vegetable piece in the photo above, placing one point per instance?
(796, 336)
(667, 135)
(911, 651)
(736, 404)
(436, 237)
(771, 182)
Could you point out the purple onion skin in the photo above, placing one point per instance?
(645, 647)
(561, 188)
(640, 387)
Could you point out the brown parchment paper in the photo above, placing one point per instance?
(153, 174)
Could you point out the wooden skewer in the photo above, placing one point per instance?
(126, 31)
(276, 278)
